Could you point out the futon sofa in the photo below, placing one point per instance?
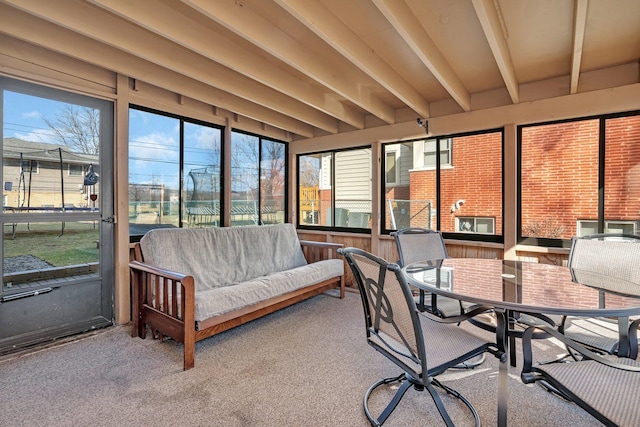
(192, 283)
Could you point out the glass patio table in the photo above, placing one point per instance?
(513, 288)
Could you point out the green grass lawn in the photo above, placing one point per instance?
(47, 241)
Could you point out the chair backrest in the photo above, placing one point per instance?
(614, 256)
(391, 316)
(419, 244)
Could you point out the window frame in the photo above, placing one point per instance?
(475, 219)
(332, 186)
(34, 170)
(223, 166)
(607, 223)
(601, 168)
(78, 165)
(259, 167)
(395, 153)
(417, 166)
(448, 151)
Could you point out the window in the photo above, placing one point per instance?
(201, 176)
(31, 166)
(334, 189)
(430, 153)
(161, 147)
(465, 189)
(273, 174)
(391, 167)
(475, 225)
(176, 174)
(76, 170)
(583, 168)
(258, 170)
(588, 227)
(245, 179)
(154, 170)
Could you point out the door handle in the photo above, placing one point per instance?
(26, 294)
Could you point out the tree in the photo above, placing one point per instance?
(77, 128)
(309, 171)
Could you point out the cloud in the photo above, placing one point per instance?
(154, 157)
(31, 115)
(38, 135)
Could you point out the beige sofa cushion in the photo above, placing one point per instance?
(218, 257)
(220, 300)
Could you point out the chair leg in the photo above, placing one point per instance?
(405, 383)
(376, 422)
(454, 393)
(471, 363)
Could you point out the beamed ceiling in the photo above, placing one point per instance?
(321, 67)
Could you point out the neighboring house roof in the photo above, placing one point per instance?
(12, 148)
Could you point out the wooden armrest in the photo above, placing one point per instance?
(321, 244)
(173, 275)
(317, 251)
(164, 290)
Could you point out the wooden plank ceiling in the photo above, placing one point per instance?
(313, 68)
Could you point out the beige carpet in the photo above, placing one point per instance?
(307, 365)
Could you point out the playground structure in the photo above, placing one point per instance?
(203, 206)
(47, 180)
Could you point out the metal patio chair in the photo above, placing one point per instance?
(605, 387)
(618, 257)
(423, 347)
(423, 244)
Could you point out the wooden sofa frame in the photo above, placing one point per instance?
(176, 320)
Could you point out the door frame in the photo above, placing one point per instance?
(104, 217)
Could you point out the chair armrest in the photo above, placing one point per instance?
(527, 336)
(168, 291)
(479, 309)
(157, 271)
(317, 251)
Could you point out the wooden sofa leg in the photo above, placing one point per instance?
(189, 357)
(189, 347)
(138, 327)
(342, 290)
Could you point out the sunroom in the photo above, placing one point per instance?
(510, 127)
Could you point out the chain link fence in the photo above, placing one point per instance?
(408, 213)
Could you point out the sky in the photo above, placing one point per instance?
(154, 148)
(154, 141)
(23, 117)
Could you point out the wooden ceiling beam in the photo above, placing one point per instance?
(197, 37)
(490, 20)
(50, 36)
(246, 23)
(579, 25)
(324, 23)
(125, 36)
(409, 28)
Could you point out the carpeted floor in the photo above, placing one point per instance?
(306, 365)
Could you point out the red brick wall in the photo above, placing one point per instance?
(559, 177)
(622, 168)
(422, 185)
(476, 178)
(325, 207)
